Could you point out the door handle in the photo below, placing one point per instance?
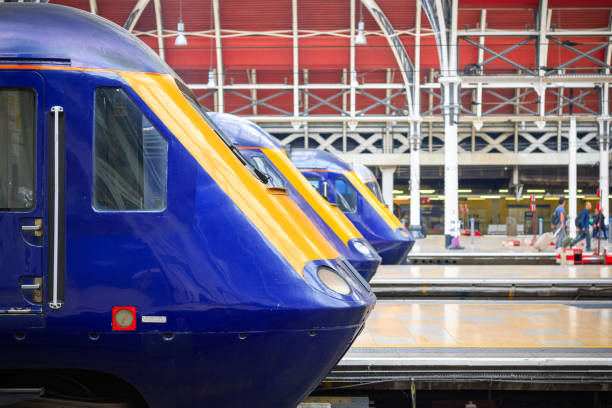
(37, 227)
(31, 287)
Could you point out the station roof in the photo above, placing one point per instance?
(257, 46)
(262, 34)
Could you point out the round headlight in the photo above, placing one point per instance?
(362, 248)
(333, 281)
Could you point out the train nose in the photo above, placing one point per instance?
(394, 250)
(363, 257)
(331, 315)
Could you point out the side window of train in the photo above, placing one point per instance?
(131, 156)
(17, 149)
(346, 195)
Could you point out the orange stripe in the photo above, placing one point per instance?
(333, 217)
(380, 208)
(276, 216)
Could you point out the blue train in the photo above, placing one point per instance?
(338, 182)
(268, 156)
(142, 258)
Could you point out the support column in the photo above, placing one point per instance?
(572, 177)
(219, 54)
(387, 185)
(604, 169)
(353, 73)
(415, 180)
(296, 63)
(450, 87)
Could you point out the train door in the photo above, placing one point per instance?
(22, 192)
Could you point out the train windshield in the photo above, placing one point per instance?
(375, 188)
(188, 94)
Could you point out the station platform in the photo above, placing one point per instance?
(501, 281)
(487, 250)
(496, 345)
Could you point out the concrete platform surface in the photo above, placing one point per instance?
(489, 325)
(387, 273)
(486, 244)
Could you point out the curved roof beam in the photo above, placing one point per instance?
(134, 16)
(399, 51)
(436, 12)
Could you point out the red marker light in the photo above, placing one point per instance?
(124, 318)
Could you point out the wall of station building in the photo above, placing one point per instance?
(490, 215)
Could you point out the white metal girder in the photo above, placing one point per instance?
(352, 71)
(219, 55)
(544, 19)
(481, 40)
(160, 29)
(135, 14)
(93, 6)
(530, 33)
(296, 62)
(407, 119)
(470, 159)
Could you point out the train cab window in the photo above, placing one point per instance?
(17, 149)
(346, 195)
(375, 189)
(261, 163)
(315, 182)
(131, 156)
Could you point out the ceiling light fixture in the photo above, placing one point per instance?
(181, 40)
(211, 79)
(211, 72)
(360, 39)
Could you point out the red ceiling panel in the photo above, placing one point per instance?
(498, 19)
(258, 52)
(324, 15)
(254, 15)
(401, 13)
(581, 18)
(324, 52)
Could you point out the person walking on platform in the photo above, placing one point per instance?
(604, 227)
(584, 222)
(557, 220)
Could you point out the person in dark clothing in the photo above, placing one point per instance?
(604, 227)
(584, 222)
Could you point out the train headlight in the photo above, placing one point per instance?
(362, 248)
(333, 281)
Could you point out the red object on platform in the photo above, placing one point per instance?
(466, 233)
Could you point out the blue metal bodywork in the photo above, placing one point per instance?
(243, 133)
(242, 326)
(391, 244)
